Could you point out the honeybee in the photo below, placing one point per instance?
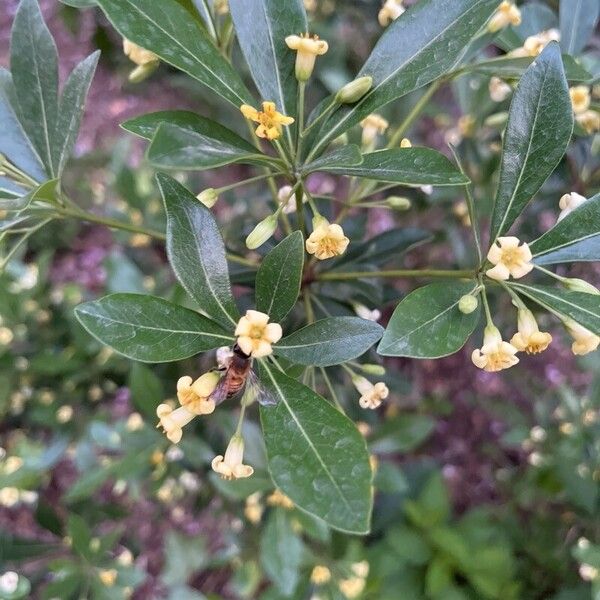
(238, 378)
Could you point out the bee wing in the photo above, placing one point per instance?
(220, 392)
(255, 390)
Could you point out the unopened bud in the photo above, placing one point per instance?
(579, 285)
(341, 140)
(405, 143)
(354, 91)
(467, 304)
(319, 220)
(399, 202)
(208, 197)
(372, 369)
(497, 120)
(262, 232)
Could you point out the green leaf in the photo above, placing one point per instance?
(329, 341)
(408, 166)
(581, 307)
(345, 156)
(34, 67)
(418, 47)
(281, 552)
(580, 229)
(150, 329)
(279, 277)
(432, 506)
(71, 108)
(428, 324)
(196, 252)
(206, 146)
(79, 3)
(261, 27)
(537, 134)
(402, 434)
(169, 30)
(317, 457)
(146, 389)
(184, 556)
(578, 20)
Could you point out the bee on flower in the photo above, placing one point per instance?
(506, 14)
(509, 259)
(390, 11)
(307, 49)
(372, 395)
(529, 338)
(255, 335)
(495, 354)
(270, 121)
(231, 465)
(327, 239)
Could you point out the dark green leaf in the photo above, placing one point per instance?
(317, 457)
(578, 20)
(146, 389)
(196, 252)
(418, 47)
(150, 329)
(402, 434)
(344, 156)
(168, 30)
(34, 67)
(428, 324)
(279, 276)
(408, 166)
(579, 229)
(330, 341)
(581, 307)
(537, 134)
(79, 3)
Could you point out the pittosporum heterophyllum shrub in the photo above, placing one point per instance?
(278, 353)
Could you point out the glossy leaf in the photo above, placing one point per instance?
(344, 156)
(147, 125)
(150, 329)
(279, 277)
(580, 229)
(34, 67)
(428, 324)
(317, 457)
(329, 341)
(168, 30)
(196, 252)
(578, 19)
(416, 48)
(407, 166)
(261, 27)
(581, 307)
(537, 134)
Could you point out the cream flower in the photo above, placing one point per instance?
(529, 338)
(287, 200)
(506, 14)
(372, 126)
(390, 11)
(108, 577)
(364, 313)
(568, 203)
(307, 49)
(495, 354)
(270, 121)
(230, 466)
(278, 498)
(255, 334)
(9, 582)
(327, 240)
(534, 44)
(372, 395)
(499, 89)
(589, 120)
(580, 98)
(145, 60)
(585, 341)
(509, 259)
(173, 421)
(320, 575)
(254, 509)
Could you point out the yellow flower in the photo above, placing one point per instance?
(509, 259)
(360, 569)
(372, 126)
(320, 575)
(307, 49)
(529, 338)
(108, 577)
(352, 587)
(390, 11)
(585, 341)
(405, 143)
(495, 354)
(254, 509)
(278, 498)
(589, 120)
(327, 240)
(255, 334)
(580, 98)
(499, 89)
(230, 466)
(270, 121)
(145, 60)
(372, 395)
(135, 422)
(568, 203)
(534, 44)
(506, 14)
(173, 421)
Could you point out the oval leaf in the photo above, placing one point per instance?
(317, 457)
(196, 252)
(150, 329)
(345, 156)
(330, 341)
(279, 277)
(578, 20)
(428, 324)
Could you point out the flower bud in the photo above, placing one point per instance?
(341, 140)
(262, 232)
(208, 197)
(579, 285)
(319, 220)
(372, 369)
(468, 304)
(354, 91)
(405, 143)
(142, 72)
(399, 202)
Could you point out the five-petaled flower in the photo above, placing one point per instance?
(372, 395)
(584, 340)
(255, 334)
(529, 338)
(506, 14)
(307, 49)
(509, 259)
(327, 240)
(270, 122)
(390, 11)
(230, 466)
(495, 354)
